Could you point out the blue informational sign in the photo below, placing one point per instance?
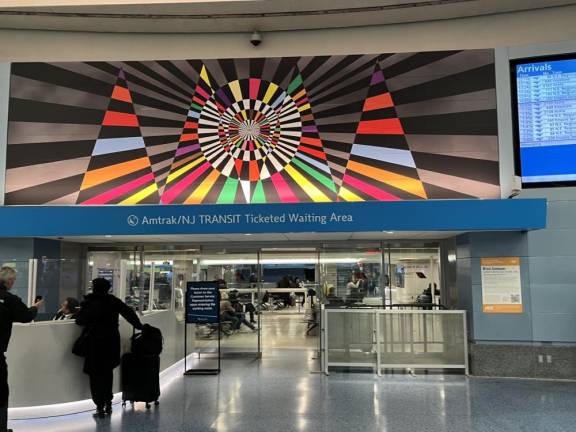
(546, 120)
(202, 303)
(422, 215)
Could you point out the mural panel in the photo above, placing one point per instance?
(266, 130)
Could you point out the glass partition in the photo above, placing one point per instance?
(414, 275)
(25, 278)
(59, 282)
(353, 277)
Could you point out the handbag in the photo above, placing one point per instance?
(80, 347)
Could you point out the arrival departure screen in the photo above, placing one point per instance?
(546, 98)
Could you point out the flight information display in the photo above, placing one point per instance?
(546, 122)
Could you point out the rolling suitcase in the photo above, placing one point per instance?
(140, 379)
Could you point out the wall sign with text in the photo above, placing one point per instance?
(202, 303)
(501, 285)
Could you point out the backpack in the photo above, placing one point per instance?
(148, 342)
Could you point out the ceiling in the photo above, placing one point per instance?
(226, 16)
(267, 237)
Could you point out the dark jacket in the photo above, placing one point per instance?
(99, 314)
(12, 310)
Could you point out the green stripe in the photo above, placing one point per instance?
(320, 177)
(295, 84)
(195, 105)
(228, 191)
(259, 197)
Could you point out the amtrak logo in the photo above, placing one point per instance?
(133, 220)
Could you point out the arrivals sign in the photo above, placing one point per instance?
(202, 303)
(501, 285)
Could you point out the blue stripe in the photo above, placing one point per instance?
(314, 162)
(114, 145)
(395, 156)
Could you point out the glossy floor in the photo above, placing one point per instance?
(279, 393)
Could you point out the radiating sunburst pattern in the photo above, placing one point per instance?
(297, 129)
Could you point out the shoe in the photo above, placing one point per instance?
(100, 413)
(108, 409)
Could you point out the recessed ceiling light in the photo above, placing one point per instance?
(389, 232)
(108, 236)
(247, 234)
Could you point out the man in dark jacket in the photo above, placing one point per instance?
(99, 314)
(11, 310)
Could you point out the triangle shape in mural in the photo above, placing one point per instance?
(119, 171)
(380, 166)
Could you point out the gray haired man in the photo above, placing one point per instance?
(11, 310)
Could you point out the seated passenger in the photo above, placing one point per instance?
(68, 310)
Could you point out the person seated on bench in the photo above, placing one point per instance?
(228, 313)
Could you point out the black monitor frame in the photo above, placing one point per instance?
(515, 121)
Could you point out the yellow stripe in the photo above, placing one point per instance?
(304, 107)
(270, 92)
(185, 168)
(204, 76)
(201, 191)
(139, 196)
(348, 195)
(311, 190)
(236, 92)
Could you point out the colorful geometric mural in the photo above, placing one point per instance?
(297, 129)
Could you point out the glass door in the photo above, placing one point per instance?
(238, 276)
(290, 298)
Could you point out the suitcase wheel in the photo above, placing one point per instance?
(123, 403)
(147, 405)
(157, 403)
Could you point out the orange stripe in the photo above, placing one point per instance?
(254, 171)
(407, 184)
(318, 154)
(190, 125)
(122, 94)
(389, 126)
(311, 141)
(102, 175)
(200, 193)
(188, 137)
(378, 102)
(299, 95)
(185, 160)
(114, 118)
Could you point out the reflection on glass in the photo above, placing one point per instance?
(352, 277)
(415, 275)
(20, 287)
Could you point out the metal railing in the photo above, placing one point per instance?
(395, 339)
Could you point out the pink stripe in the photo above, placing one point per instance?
(106, 197)
(171, 194)
(284, 192)
(187, 149)
(202, 92)
(254, 86)
(369, 189)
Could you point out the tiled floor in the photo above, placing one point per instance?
(279, 394)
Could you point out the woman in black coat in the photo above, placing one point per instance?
(99, 314)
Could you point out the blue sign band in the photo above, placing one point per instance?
(424, 215)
